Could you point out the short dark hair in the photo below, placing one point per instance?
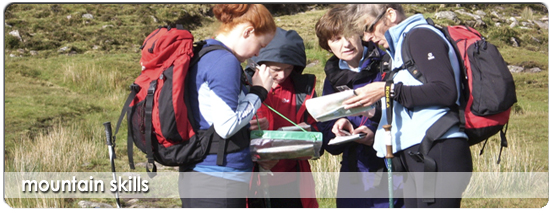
(332, 23)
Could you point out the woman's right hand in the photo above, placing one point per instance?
(263, 123)
(366, 95)
(263, 77)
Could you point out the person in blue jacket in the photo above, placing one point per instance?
(223, 106)
(416, 105)
(354, 64)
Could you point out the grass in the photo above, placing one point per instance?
(55, 103)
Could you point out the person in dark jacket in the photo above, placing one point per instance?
(286, 59)
(354, 64)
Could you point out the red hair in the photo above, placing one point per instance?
(231, 15)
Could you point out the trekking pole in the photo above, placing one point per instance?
(111, 144)
(389, 156)
(388, 137)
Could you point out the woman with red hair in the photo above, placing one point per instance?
(223, 106)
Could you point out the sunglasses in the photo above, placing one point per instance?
(370, 28)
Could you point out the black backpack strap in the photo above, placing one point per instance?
(437, 130)
(221, 152)
(503, 141)
(148, 129)
(129, 143)
(408, 61)
(200, 50)
(134, 89)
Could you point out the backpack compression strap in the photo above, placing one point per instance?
(134, 89)
(148, 128)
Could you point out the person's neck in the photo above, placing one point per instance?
(225, 39)
(230, 42)
(231, 37)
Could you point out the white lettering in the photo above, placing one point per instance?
(113, 186)
(30, 183)
(145, 185)
(41, 186)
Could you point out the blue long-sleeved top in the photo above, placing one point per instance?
(218, 97)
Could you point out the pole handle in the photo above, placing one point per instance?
(388, 142)
(108, 132)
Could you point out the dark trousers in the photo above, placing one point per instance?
(276, 193)
(198, 190)
(291, 189)
(450, 155)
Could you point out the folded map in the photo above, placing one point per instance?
(331, 106)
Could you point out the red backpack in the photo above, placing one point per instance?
(488, 86)
(159, 122)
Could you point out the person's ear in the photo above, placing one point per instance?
(248, 31)
(392, 15)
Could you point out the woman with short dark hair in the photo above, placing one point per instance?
(354, 64)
